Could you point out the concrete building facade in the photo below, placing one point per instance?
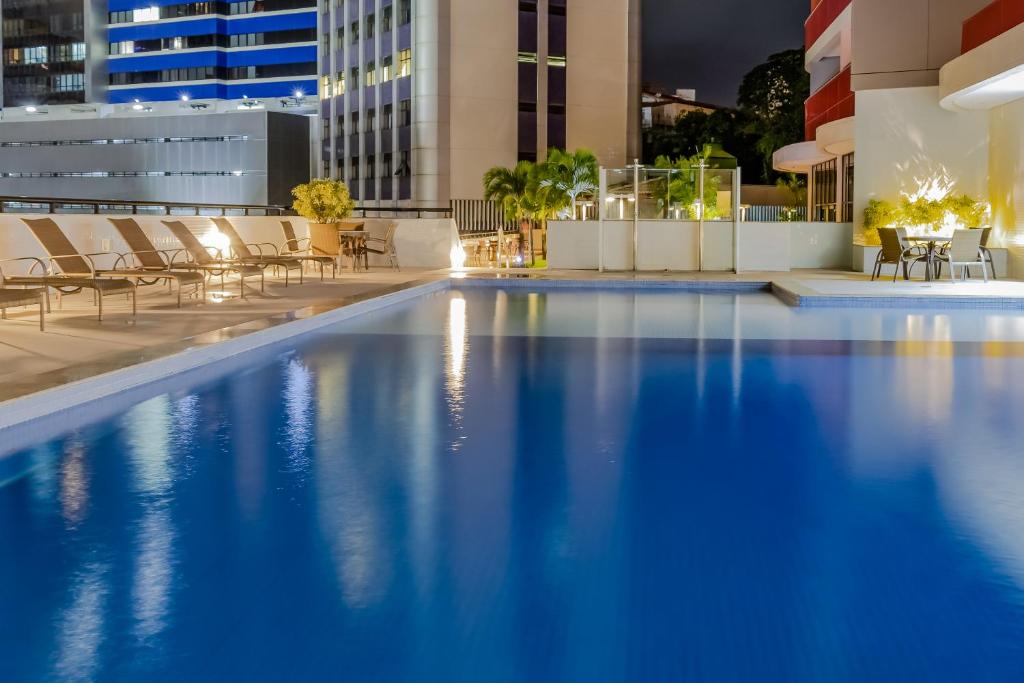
(915, 95)
(220, 158)
(421, 97)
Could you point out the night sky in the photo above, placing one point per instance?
(710, 44)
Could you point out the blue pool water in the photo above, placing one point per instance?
(562, 486)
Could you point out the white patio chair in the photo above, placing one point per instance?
(964, 251)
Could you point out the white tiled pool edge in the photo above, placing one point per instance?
(35, 418)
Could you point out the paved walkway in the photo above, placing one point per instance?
(76, 345)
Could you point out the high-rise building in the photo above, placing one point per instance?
(421, 97)
(45, 45)
(163, 50)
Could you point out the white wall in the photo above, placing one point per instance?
(421, 243)
(673, 245)
(1006, 180)
(904, 138)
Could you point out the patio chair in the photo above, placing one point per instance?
(382, 246)
(69, 271)
(300, 248)
(985, 234)
(210, 260)
(964, 251)
(11, 298)
(244, 254)
(895, 252)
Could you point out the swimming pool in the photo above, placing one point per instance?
(495, 485)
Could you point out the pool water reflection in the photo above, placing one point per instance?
(507, 486)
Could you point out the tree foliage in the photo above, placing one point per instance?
(771, 98)
(769, 115)
(683, 186)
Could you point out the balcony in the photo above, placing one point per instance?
(822, 16)
(994, 20)
(833, 101)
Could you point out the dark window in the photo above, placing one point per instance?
(404, 113)
(385, 19)
(848, 168)
(385, 117)
(404, 12)
(824, 191)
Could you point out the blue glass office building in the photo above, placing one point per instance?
(161, 50)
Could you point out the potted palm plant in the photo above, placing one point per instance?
(324, 203)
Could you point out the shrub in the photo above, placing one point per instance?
(323, 201)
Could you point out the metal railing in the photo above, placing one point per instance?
(21, 204)
(763, 213)
(24, 204)
(478, 216)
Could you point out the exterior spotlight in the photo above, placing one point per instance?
(299, 93)
(31, 109)
(184, 98)
(137, 106)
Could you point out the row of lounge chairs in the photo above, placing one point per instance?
(68, 271)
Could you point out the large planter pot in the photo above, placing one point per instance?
(323, 238)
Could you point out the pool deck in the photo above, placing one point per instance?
(77, 346)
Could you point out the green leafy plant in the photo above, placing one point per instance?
(567, 176)
(683, 186)
(921, 211)
(323, 201)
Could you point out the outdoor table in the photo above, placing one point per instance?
(355, 242)
(930, 242)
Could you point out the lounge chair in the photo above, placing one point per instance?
(244, 254)
(68, 272)
(154, 264)
(964, 251)
(382, 246)
(295, 247)
(201, 258)
(10, 298)
(895, 252)
(986, 253)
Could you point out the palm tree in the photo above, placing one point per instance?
(569, 174)
(513, 189)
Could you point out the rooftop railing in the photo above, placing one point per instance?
(71, 205)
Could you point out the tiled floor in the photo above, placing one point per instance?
(77, 345)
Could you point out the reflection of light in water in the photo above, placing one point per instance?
(74, 483)
(980, 481)
(154, 573)
(80, 627)
(456, 346)
(298, 397)
(148, 431)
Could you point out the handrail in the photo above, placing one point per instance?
(95, 206)
(134, 204)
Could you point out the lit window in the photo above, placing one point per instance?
(386, 70)
(341, 83)
(371, 73)
(146, 14)
(404, 63)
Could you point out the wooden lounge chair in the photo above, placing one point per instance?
(300, 248)
(10, 298)
(68, 272)
(244, 254)
(201, 258)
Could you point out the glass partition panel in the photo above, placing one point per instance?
(718, 193)
(653, 193)
(620, 197)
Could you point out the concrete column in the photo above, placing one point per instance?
(542, 80)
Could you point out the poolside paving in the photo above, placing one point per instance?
(76, 345)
